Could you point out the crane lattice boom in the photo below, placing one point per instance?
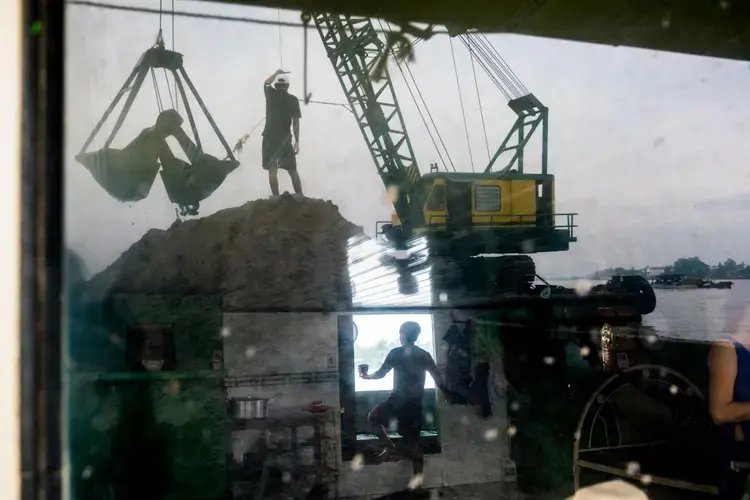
(353, 46)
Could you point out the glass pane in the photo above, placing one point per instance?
(223, 220)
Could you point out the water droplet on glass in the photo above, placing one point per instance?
(225, 331)
(429, 419)
(577, 435)
(116, 340)
(673, 389)
(549, 360)
(249, 352)
(583, 287)
(646, 479)
(358, 461)
(646, 374)
(515, 406)
(87, 472)
(286, 477)
(585, 351)
(512, 430)
(415, 481)
(491, 434)
(633, 468)
(724, 4)
(443, 297)
(464, 420)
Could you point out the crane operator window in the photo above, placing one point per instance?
(436, 201)
(487, 198)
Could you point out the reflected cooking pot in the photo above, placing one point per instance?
(249, 408)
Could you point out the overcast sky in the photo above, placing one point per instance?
(649, 148)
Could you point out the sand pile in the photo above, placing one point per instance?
(284, 252)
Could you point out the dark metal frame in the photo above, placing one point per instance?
(42, 249)
(700, 27)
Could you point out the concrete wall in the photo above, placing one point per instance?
(264, 351)
(292, 357)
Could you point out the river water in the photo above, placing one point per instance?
(701, 315)
(697, 315)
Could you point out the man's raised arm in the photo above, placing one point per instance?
(382, 371)
(270, 79)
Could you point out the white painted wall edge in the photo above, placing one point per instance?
(10, 263)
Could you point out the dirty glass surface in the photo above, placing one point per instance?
(563, 221)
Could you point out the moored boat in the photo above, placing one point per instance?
(682, 282)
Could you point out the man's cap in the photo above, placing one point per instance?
(282, 80)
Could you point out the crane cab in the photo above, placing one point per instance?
(489, 213)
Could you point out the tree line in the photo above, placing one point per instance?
(693, 267)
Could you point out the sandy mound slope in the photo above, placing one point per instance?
(283, 252)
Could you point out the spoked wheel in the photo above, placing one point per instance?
(640, 407)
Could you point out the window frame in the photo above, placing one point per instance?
(349, 444)
(436, 190)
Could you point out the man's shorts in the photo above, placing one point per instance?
(406, 412)
(278, 154)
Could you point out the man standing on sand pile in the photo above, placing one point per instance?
(282, 113)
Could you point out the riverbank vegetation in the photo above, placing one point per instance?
(693, 267)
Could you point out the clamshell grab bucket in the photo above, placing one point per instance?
(128, 174)
(125, 179)
(189, 184)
